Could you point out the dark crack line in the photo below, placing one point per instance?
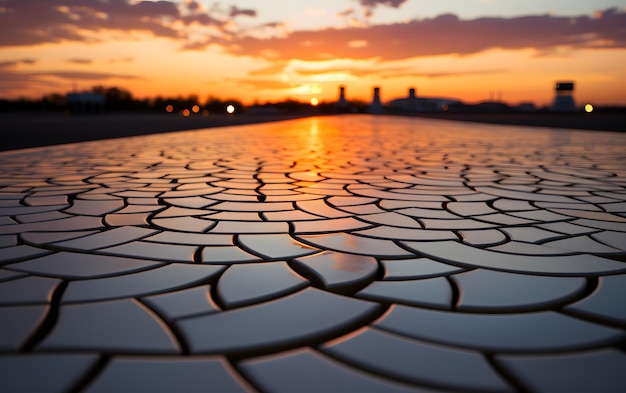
(49, 320)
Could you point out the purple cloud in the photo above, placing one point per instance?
(30, 22)
(234, 12)
(445, 34)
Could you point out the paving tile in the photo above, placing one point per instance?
(345, 242)
(613, 239)
(94, 208)
(78, 223)
(430, 292)
(605, 225)
(40, 238)
(407, 269)
(226, 254)
(182, 303)
(145, 374)
(185, 224)
(593, 371)
(503, 204)
(279, 246)
(591, 215)
(460, 224)
(287, 322)
(6, 275)
(338, 271)
(27, 290)
(21, 252)
(38, 217)
(53, 373)
(396, 233)
(119, 220)
(468, 256)
(309, 372)
(582, 244)
(108, 238)
(158, 280)
(567, 228)
(242, 285)
(199, 239)
(489, 291)
(114, 326)
(17, 323)
(523, 332)
(154, 251)
(196, 202)
(261, 227)
(529, 234)
(485, 237)
(521, 248)
(73, 265)
(606, 301)
(417, 362)
(329, 225)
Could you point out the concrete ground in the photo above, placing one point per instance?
(325, 254)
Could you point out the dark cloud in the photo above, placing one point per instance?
(15, 82)
(443, 35)
(79, 61)
(388, 3)
(79, 75)
(234, 12)
(369, 5)
(29, 22)
(15, 63)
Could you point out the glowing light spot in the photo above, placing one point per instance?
(186, 112)
(588, 108)
(230, 109)
(314, 101)
(195, 109)
(169, 108)
(357, 44)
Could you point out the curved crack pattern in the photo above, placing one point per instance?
(339, 249)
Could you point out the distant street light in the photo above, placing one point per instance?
(588, 108)
(230, 109)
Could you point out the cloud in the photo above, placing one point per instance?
(388, 3)
(79, 61)
(31, 22)
(444, 35)
(369, 5)
(15, 63)
(234, 12)
(80, 75)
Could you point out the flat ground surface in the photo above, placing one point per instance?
(333, 254)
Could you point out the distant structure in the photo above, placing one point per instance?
(342, 104)
(412, 104)
(86, 103)
(564, 97)
(376, 107)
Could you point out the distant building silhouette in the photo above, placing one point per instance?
(412, 104)
(376, 106)
(564, 99)
(342, 104)
(86, 102)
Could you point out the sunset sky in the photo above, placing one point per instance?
(277, 49)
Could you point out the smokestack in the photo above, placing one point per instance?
(376, 106)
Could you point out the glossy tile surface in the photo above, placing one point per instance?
(340, 254)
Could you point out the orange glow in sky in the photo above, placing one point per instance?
(465, 49)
